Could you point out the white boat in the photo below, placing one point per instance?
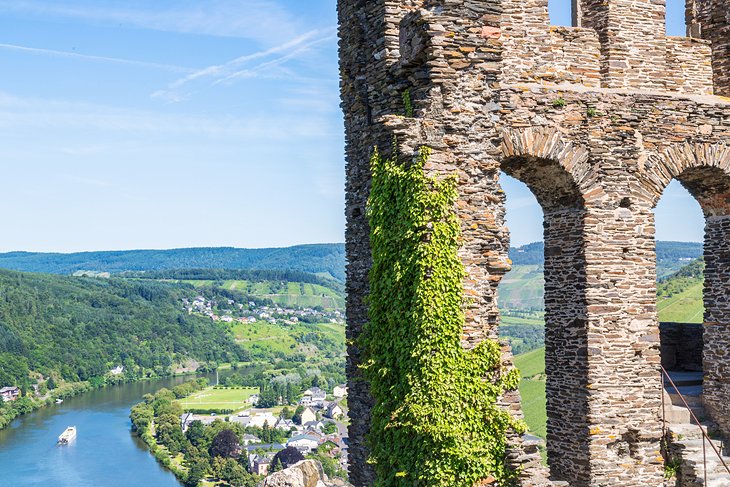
(67, 436)
(59, 401)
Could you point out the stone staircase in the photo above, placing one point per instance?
(684, 438)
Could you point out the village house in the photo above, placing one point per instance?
(118, 370)
(9, 393)
(308, 415)
(263, 418)
(334, 411)
(186, 420)
(261, 464)
(303, 443)
(339, 391)
(250, 440)
(285, 424)
(312, 427)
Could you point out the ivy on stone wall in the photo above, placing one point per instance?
(436, 421)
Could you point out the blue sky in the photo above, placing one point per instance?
(138, 124)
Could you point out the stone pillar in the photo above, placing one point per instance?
(577, 13)
(710, 19)
(566, 357)
(717, 321)
(633, 41)
(624, 385)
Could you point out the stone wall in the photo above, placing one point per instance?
(710, 19)
(494, 88)
(682, 345)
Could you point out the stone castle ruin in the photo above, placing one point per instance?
(597, 120)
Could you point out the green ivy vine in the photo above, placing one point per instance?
(435, 421)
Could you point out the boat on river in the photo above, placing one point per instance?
(67, 436)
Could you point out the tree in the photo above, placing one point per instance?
(330, 428)
(297, 418)
(195, 432)
(50, 383)
(286, 458)
(196, 473)
(287, 413)
(225, 444)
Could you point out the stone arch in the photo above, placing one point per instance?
(704, 169)
(558, 174)
(701, 168)
(547, 151)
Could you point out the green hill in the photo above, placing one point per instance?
(80, 328)
(324, 259)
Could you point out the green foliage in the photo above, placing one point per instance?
(407, 103)
(559, 103)
(77, 329)
(436, 421)
(592, 112)
(207, 450)
(671, 468)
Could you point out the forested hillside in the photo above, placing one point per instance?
(324, 259)
(79, 328)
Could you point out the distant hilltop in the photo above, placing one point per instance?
(327, 260)
(671, 256)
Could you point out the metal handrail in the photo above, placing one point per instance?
(692, 414)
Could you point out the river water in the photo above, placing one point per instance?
(105, 454)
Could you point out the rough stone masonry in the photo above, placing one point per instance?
(596, 120)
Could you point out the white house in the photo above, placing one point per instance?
(118, 370)
(334, 411)
(284, 424)
(339, 391)
(185, 420)
(263, 418)
(308, 415)
(250, 440)
(303, 443)
(318, 396)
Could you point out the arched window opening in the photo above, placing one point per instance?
(563, 12)
(680, 281)
(693, 306)
(543, 297)
(521, 300)
(676, 15)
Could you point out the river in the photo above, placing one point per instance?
(105, 453)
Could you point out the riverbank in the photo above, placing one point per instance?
(106, 452)
(9, 411)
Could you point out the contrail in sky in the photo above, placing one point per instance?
(75, 55)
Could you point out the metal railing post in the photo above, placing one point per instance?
(705, 437)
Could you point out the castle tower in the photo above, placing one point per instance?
(596, 120)
(710, 20)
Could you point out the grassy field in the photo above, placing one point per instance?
(684, 307)
(532, 390)
(296, 294)
(264, 336)
(522, 288)
(219, 399)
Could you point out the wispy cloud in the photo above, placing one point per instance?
(233, 70)
(29, 115)
(265, 21)
(87, 57)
